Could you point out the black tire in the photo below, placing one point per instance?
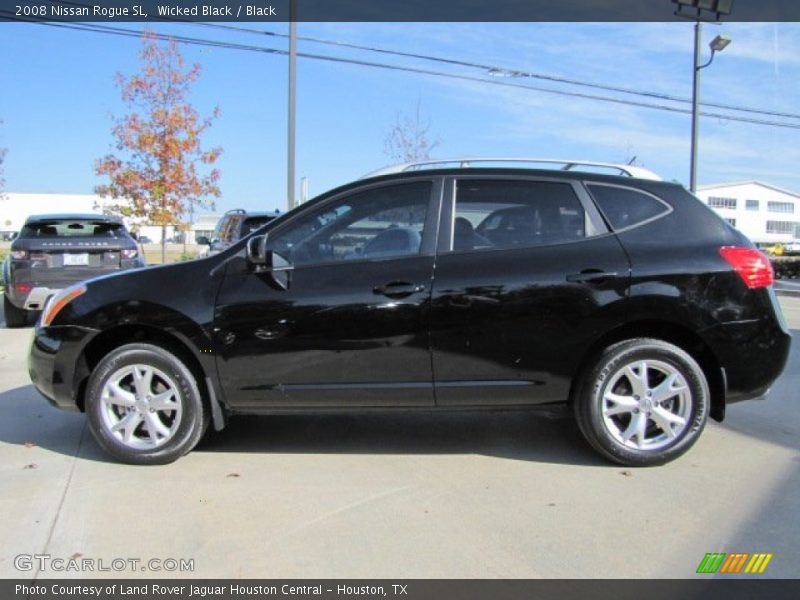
(170, 374)
(15, 317)
(653, 444)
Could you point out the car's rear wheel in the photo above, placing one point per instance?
(15, 317)
(144, 405)
(642, 402)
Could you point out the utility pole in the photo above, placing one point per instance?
(290, 202)
(698, 34)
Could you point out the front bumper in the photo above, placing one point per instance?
(56, 365)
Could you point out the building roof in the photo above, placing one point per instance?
(751, 182)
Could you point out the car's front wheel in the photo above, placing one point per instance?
(642, 402)
(144, 406)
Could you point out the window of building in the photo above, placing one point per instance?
(751, 204)
(780, 207)
(720, 202)
(731, 222)
(781, 226)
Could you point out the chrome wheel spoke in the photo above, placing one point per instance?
(142, 419)
(644, 417)
(119, 396)
(665, 421)
(165, 401)
(636, 427)
(672, 385)
(142, 380)
(622, 404)
(127, 425)
(157, 430)
(637, 376)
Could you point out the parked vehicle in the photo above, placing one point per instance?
(235, 225)
(791, 248)
(624, 298)
(55, 251)
(775, 249)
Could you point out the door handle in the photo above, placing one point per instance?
(591, 276)
(398, 289)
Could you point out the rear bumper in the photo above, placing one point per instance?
(55, 363)
(752, 353)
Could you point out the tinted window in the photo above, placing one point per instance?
(378, 223)
(73, 228)
(507, 214)
(624, 207)
(227, 230)
(252, 223)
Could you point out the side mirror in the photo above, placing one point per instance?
(268, 261)
(202, 240)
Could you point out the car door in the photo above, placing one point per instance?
(527, 276)
(352, 329)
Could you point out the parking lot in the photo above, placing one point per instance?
(403, 496)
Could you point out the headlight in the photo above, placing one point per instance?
(59, 301)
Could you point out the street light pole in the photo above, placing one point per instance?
(292, 102)
(699, 10)
(698, 34)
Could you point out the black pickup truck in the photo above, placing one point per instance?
(55, 251)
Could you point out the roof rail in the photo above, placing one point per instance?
(566, 165)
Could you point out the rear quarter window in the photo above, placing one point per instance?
(625, 207)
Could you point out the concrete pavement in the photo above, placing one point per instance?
(401, 496)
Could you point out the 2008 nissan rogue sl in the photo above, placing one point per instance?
(434, 288)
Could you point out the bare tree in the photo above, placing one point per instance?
(408, 140)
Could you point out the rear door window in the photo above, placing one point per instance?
(496, 214)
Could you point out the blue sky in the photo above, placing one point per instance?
(58, 95)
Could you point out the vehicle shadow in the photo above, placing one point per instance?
(26, 418)
(518, 434)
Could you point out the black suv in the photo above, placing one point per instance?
(235, 225)
(625, 298)
(53, 252)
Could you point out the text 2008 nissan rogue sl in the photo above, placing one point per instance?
(434, 288)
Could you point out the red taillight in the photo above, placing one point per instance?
(23, 288)
(752, 265)
(129, 253)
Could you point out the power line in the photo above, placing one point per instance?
(124, 32)
(491, 69)
(502, 70)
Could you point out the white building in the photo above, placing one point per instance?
(765, 213)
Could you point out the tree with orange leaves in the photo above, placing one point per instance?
(158, 179)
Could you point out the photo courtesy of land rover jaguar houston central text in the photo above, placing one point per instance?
(439, 285)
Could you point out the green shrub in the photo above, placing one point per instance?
(786, 267)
